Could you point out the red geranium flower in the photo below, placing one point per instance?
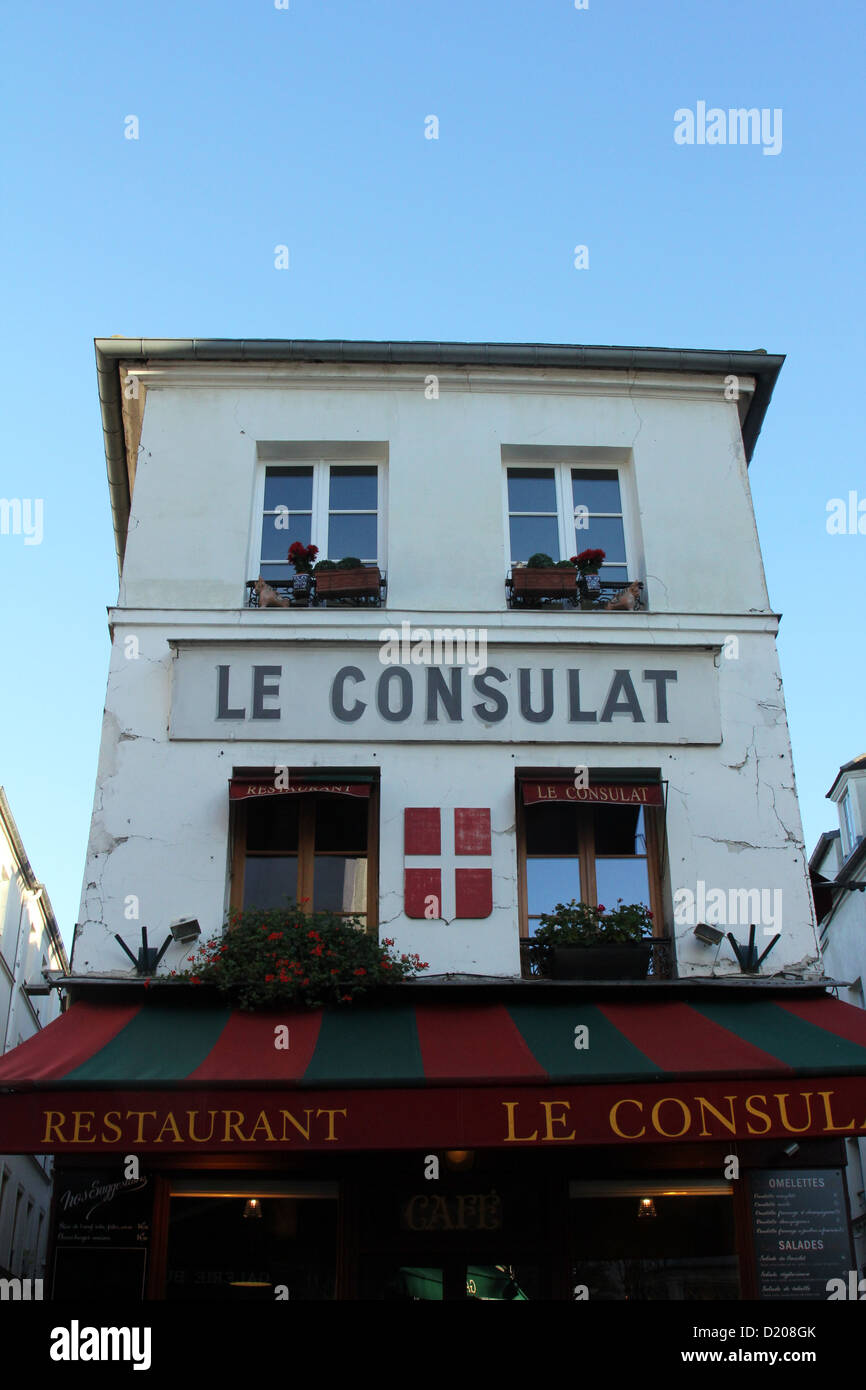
(360, 971)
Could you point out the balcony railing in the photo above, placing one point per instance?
(301, 592)
(662, 961)
(609, 591)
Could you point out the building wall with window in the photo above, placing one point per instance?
(30, 943)
(840, 858)
(446, 477)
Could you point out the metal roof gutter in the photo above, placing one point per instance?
(763, 366)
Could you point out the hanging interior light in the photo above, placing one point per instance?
(253, 1207)
(646, 1207)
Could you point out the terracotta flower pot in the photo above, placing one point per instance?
(544, 583)
(357, 583)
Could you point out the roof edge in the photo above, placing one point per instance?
(763, 366)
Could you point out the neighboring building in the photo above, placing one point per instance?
(447, 795)
(30, 946)
(838, 867)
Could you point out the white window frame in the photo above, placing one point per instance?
(562, 471)
(321, 512)
(846, 821)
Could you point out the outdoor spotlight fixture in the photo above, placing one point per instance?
(646, 1207)
(148, 957)
(253, 1207)
(747, 956)
(710, 935)
(791, 1149)
(184, 929)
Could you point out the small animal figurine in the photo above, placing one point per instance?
(268, 597)
(627, 598)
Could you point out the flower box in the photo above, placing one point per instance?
(544, 583)
(356, 583)
(616, 960)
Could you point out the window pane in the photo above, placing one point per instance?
(531, 490)
(554, 828)
(270, 879)
(352, 535)
(272, 824)
(550, 881)
(341, 824)
(289, 487)
(622, 878)
(339, 883)
(603, 533)
(276, 539)
(597, 489)
(620, 830)
(353, 488)
(529, 534)
(272, 572)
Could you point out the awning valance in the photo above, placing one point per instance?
(446, 1074)
(271, 784)
(562, 788)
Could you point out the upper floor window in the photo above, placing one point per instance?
(562, 510)
(335, 506)
(846, 816)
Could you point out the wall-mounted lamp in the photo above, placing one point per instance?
(646, 1207)
(253, 1207)
(184, 929)
(459, 1160)
(710, 935)
(791, 1149)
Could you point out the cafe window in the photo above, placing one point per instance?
(251, 1240)
(560, 511)
(592, 853)
(313, 846)
(651, 1240)
(334, 506)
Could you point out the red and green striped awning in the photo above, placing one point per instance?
(554, 1051)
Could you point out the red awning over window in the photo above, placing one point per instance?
(266, 784)
(562, 788)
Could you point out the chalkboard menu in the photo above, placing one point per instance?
(801, 1234)
(101, 1235)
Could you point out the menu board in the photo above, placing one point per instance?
(102, 1230)
(801, 1233)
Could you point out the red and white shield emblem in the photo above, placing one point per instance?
(448, 871)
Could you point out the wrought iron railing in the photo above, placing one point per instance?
(585, 598)
(662, 960)
(301, 594)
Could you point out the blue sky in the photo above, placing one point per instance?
(305, 127)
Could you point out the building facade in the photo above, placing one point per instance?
(838, 867)
(30, 948)
(446, 747)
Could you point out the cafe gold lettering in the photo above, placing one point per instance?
(614, 1122)
(213, 1127)
(556, 1119)
(830, 1128)
(468, 1211)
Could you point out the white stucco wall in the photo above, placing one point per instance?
(159, 842)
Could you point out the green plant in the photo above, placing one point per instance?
(564, 565)
(581, 924)
(325, 565)
(540, 561)
(349, 562)
(268, 958)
